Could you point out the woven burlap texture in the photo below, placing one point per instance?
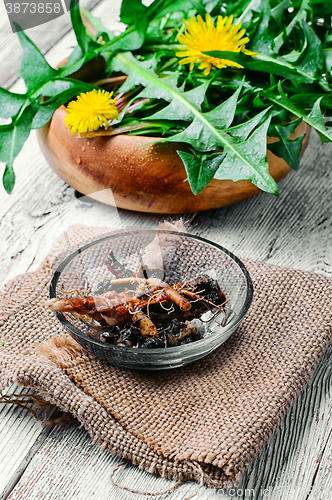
(211, 417)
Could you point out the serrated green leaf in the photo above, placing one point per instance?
(246, 13)
(161, 88)
(139, 17)
(257, 102)
(170, 6)
(315, 117)
(238, 57)
(286, 148)
(74, 58)
(155, 87)
(204, 136)
(131, 11)
(262, 41)
(311, 58)
(134, 79)
(12, 138)
(55, 87)
(10, 103)
(134, 13)
(203, 133)
(248, 161)
(130, 39)
(34, 68)
(263, 62)
(310, 99)
(278, 66)
(279, 9)
(222, 116)
(178, 111)
(13, 135)
(98, 25)
(200, 168)
(75, 63)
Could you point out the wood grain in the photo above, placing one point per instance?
(293, 230)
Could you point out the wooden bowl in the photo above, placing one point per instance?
(128, 172)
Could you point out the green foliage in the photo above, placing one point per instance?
(288, 149)
(311, 58)
(204, 132)
(222, 119)
(47, 108)
(247, 160)
(262, 38)
(177, 110)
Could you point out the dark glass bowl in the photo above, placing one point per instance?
(184, 257)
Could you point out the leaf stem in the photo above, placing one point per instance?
(155, 48)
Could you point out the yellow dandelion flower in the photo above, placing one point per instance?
(203, 36)
(90, 111)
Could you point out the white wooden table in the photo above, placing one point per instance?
(292, 230)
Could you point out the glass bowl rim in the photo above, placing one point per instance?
(148, 352)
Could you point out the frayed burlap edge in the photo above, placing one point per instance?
(30, 371)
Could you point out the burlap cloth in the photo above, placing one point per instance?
(211, 417)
